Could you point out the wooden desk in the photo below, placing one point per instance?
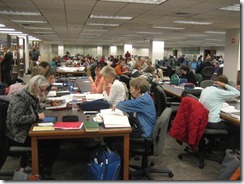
(70, 134)
(171, 90)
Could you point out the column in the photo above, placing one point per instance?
(156, 50)
(113, 50)
(127, 47)
(232, 54)
(99, 51)
(60, 50)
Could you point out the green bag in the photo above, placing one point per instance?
(174, 79)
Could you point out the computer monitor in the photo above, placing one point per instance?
(83, 84)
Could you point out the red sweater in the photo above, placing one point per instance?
(190, 122)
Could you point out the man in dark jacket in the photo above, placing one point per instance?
(34, 56)
(6, 65)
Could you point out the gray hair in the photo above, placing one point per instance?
(140, 83)
(37, 81)
(108, 71)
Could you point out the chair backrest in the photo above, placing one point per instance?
(198, 77)
(207, 71)
(3, 111)
(160, 100)
(232, 83)
(170, 71)
(160, 131)
(220, 71)
(126, 80)
(206, 83)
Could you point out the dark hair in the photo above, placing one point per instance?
(222, 78)
(100, 66)
(44, 64)
(185, 68)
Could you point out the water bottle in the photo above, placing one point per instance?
(74, 105)
(71, 87)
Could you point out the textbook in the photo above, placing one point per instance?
(91, 126)
(68, 125)
(115, 121)
(42, 128)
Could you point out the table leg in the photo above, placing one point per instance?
(34, 152)
(126, 155)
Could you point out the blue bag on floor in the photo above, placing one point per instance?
(104, 165)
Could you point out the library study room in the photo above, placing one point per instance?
(132, 90)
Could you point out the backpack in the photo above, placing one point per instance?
(104, 164)
(174, 79)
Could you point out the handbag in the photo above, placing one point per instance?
(95, 105)
(104, 165)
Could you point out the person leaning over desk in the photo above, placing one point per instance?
(213, 98)
(141, 110)
(117, 90)
(24, 110)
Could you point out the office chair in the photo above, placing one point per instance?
(5, 148)
(152, 146)
(232, 83)
(126, 79)
(197, 117)
(206, 83)
(195, 92)
(170, 71)
(198, 77)
(220, 71)
(207, 72)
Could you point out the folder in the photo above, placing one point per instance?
(68, 125)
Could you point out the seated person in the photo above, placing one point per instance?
(44, 64)
(120, 68)
(97, 85)
(213, 98)
(24, 110)
(136, 70)
(216, 67)
(117, 90)
(150, 74)
(37, 70)
(188, 74)
(142, 108)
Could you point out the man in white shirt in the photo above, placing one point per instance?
(213, 98)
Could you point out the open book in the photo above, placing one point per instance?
(114, 119)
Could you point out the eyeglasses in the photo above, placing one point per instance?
(42, 90)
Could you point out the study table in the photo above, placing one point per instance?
(176, 92)
(70, 134)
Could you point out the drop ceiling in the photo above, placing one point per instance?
(67, 22)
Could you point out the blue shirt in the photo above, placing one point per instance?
(145, 112)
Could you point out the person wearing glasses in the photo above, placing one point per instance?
(24, 110)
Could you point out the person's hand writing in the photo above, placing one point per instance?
(41, 115)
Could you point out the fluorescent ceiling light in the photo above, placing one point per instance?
(95, 30)
(192, 22)
(110, 17)
(8, 32)
(173, 28)
(17, 34)
(30, 21)
(43, 32)
(1, 25)
(235, 7)
(138, 1)
(214, 39)
(195, 35)
(6, 29)
(4, 12)
(215, 32)
(101, 24)
(48, 28)
(142, 32)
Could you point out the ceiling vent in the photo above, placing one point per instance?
(182, 14)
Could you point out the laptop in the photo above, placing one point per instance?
(83, 84)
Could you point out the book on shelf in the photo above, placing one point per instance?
(68, 125)
(91, 126)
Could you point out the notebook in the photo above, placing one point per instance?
(68, 125)
(91, 126)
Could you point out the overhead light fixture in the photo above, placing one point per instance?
(173, 28)
(17, 34)
(9, 32)
(142, 32)
(192, 22)
(6, 29)
(138, 1)
(95, 30)
(47, 28)
(214, 39)
(30, 21)
(110, 17)
(4, 12)
(196, 35)
(235, 7)
(101, 24)
(43, 32)
(215, 32)
(2, 25)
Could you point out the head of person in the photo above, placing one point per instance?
(37, 70)
(149, 63)
(137, 65)
(223, 79)
(37, 86)
(184, 69)
(121, 62)
(5, 49)
(108, 74)
(44, 64)
(49, 74)
(138, 86)
(34, 47)
(98, 69)
(151, 69)
(216, 64)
